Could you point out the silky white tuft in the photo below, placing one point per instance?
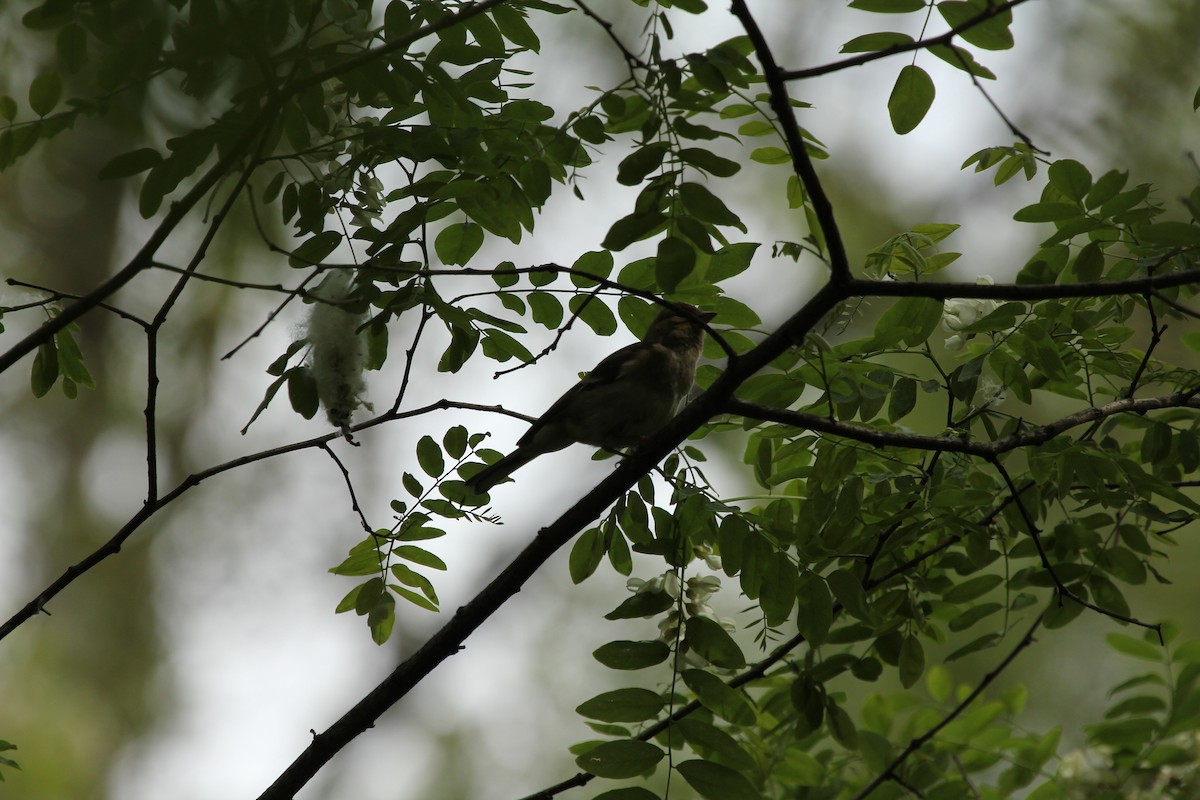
(338, 355)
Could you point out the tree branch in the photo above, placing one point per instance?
(802, 165)
(149, 509)
(449, 639)
(948, 444)
(945, 290)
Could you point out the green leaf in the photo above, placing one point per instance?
(778, 589)
(707, 207)
(419, 555)
(622, 705)
(429, 456)
(939, 682)
(730, 260)
(417, 600)
(594, 313)
(458, 242)
(849, 592)
(1071, 178)
(455, 441)
(1126, 734)
(626, 758)
(314, 249)
(991, 34)
(547, 309)
(631, 228)
(974, 614)
(873, 42)
(728, 704)
(632, 655)
(511, 22)
(973, 588)
(814, 613)
(1135, 648)
(840, 725)
(1170, 234)
(674, 261)
(627, 793)
(586, 554)
(1046, 212)
(70, 358)
(594, 262)
(888, 6)
(381, 618)
(911, 321)
(709, 162)
(130, 163)
(911, 98)
(1089, 264)
(1060, 614)
(45, 92)
(713, 643)
(364, 559)
(912, 661)
(501, 346)
(982, 643)
(642, 604)
(302, 392)
(634, 168)
(45, 369)
(770, 154)
(961, 59)
(902, 399)
(716, 781)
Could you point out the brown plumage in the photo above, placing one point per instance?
(628, 396)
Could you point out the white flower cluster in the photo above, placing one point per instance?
(695, 592)
(1085, 773)
(960, 312)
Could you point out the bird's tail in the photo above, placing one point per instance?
(488, 477)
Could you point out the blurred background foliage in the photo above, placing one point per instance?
(194, 664)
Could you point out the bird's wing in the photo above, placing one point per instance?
(610, 369)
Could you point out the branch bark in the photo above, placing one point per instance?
(952, 444)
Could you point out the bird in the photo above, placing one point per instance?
(629, 395)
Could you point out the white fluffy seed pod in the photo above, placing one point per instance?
(338, 355)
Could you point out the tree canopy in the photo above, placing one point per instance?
(914, 466)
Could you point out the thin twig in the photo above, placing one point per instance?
(631, 58)
(1020, 134)
(148, 510)
(1180, 307)
(56, 295)
(160, 319)
(1156, 332)
(349, 486)
(1063, 590)
(922, 44)
(889, 772)
(550, 348)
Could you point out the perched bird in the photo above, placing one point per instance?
(628, 396)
